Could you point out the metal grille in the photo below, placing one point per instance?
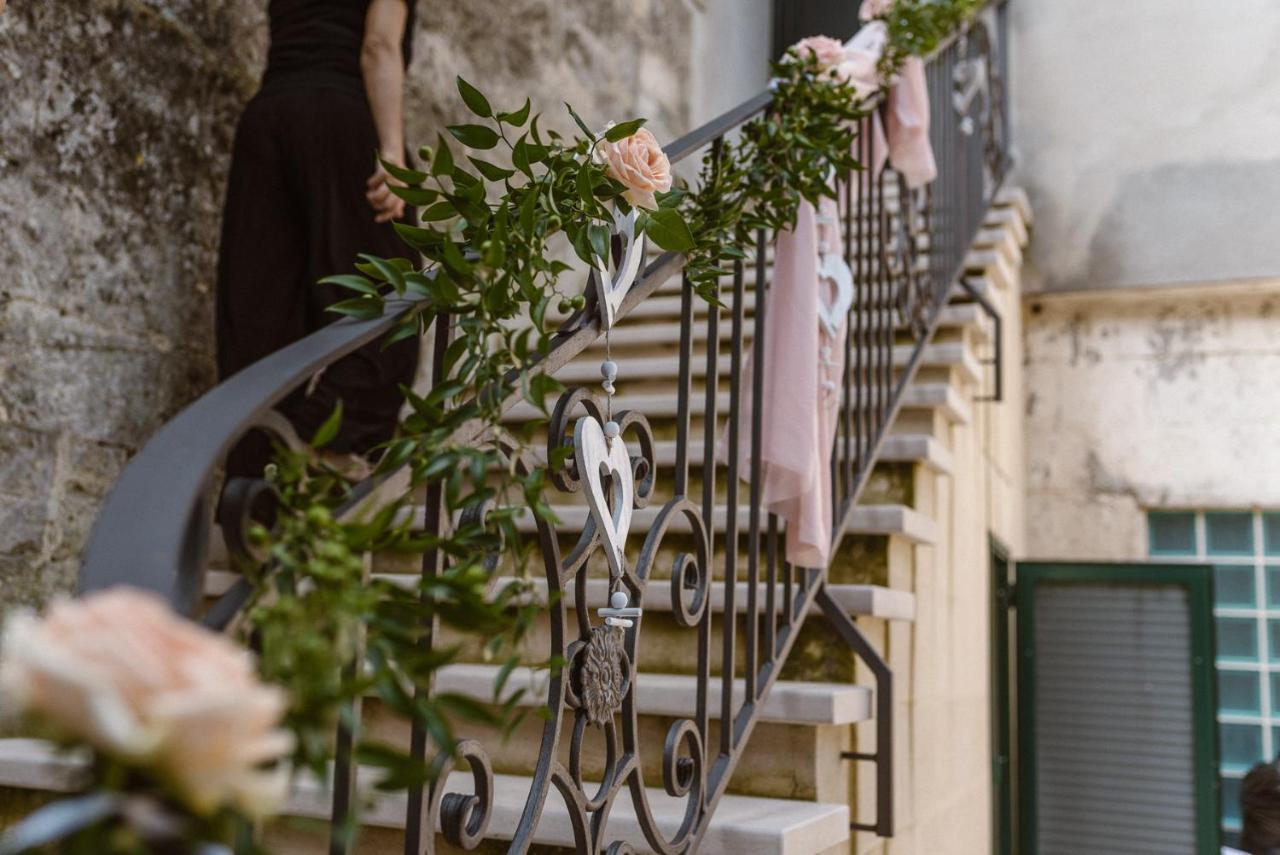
(1114, 773)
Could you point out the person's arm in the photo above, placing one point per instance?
(382, 64)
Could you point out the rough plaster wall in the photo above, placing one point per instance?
(116, 120)
(1159, 160)
(1147, 399)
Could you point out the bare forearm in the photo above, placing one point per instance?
(382, 65)
(384, 84)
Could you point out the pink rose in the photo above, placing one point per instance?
(827, 51)
(639, 164)
(118, 670)
(874, 9)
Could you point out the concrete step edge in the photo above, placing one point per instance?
(761, 826)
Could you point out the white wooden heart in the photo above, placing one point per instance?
(612, 282)
(836, 270)
(598, 457)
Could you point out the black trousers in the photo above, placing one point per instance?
(296, 212)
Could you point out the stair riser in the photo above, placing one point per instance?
(785, 761)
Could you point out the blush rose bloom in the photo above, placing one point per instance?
(874, 9)
(639, 164)
(827, 51)
(121, 672)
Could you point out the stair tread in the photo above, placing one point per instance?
(788, 701)
(920, 395)
(740, 823)
(857, 600)
(891, 520)
(586, 369)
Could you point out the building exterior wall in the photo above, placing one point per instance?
(115, 132)
(1141, 399)
(1148, 140)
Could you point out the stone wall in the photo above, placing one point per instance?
(1144, 399)
(116, 121)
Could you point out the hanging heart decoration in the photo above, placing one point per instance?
(599, 457)
(614, 281)
(835, 270)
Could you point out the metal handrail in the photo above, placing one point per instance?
(154, 528)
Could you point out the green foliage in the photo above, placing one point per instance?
(490, 217)
(917, 27)
(758, 180)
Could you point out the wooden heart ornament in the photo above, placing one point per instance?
(598, 458)
(834, 269)
(613, 282)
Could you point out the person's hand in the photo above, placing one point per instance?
(386, 205)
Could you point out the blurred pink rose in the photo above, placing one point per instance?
(827, 51)
(874, 9)
(639, 164)
(121, 672)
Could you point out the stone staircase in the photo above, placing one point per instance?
(793, 793)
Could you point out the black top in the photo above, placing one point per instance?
(318, 42)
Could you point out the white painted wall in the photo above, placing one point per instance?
(1141, 399)
(1148, 138)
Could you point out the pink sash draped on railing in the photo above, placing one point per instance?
(803, 363)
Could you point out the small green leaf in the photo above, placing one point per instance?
(586, 186)
(475, 136)
(474, 99)
(622, 130)
(351, 281)
(599, 236)
(386, 271)
(360, 308)
(443, 164)
(327, 431)
(438, 211)
(590, 134)
(408, 176)
(416, 196)
(520, 157)
(669, 230)
(517, 117)
(491, 170)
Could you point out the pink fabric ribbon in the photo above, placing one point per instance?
(801, 390)
(802, 367)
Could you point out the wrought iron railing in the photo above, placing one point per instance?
(906, 250)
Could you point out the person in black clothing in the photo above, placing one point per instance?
(305, 196)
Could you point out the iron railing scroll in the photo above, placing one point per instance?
(905, 248)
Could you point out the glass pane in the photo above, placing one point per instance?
(1172, 532)
(1231, 800)
(1237, 639)
(1233, 585)
(1273, 631)
(1271, 533)
(1241, 745)
(1241, 691)
(1229, 533)
(1273, 586)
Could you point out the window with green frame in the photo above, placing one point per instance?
(1244, 548)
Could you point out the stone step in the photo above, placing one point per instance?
(857, 600)
(868, 520)
(586, 371)
(628, 334)
(897, 448)
(747, 824)
(674, 695)
(924, 395)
